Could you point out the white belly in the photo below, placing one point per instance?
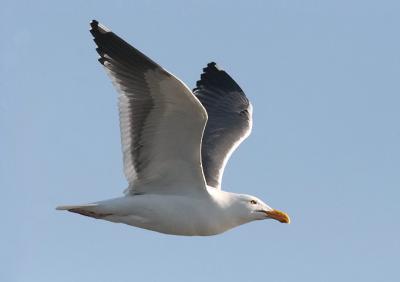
(169, 214)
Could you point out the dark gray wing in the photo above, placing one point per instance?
(229, 120)
(161, 121)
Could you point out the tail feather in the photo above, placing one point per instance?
(86, 210)
(66, 208)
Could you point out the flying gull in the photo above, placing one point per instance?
(176, 143)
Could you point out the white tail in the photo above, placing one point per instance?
(91, 210)
(64, 208)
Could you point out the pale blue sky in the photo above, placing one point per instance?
(323, 77)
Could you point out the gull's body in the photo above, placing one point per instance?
(203, 214)
(175, 146)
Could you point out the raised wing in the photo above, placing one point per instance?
(229, 120)
(161, 121)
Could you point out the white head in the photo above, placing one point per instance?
(248, 208)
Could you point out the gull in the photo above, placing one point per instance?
(176, 143)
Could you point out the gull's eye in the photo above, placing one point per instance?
(253, 202)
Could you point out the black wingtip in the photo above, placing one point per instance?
(97, 28)
(94, 27)
(211, 65)
(215, 77)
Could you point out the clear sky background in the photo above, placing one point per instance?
(323, 77)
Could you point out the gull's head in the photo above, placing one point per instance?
(251, 208)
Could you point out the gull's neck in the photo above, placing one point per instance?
(227, 204)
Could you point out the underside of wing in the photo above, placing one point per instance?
(161, 121)
(229, 120)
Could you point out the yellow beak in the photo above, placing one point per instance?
(279, 216)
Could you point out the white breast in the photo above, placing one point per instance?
(170, 214)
